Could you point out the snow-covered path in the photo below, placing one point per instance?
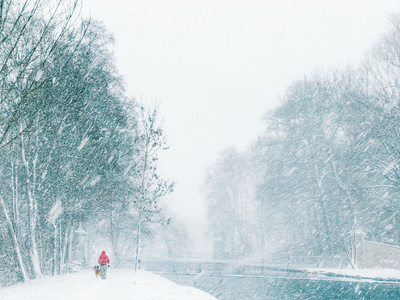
(120, 284)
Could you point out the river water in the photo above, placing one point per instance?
(286, 286)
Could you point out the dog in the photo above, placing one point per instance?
(97, 271)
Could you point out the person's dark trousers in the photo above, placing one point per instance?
(103, 269)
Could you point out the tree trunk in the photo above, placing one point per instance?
(351, 218)
(55, 250)
(138, 233)
(34, 254)
(141, 203)
(22, 273)
(64, 252)
(60, 251)
(114, 240)
(70, 240)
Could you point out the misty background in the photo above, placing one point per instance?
(218, 67)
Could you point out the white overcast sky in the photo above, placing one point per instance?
(217, 66)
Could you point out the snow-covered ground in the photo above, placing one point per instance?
(120, 284)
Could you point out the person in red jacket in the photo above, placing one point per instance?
(103, 262)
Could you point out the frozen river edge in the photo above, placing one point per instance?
(313, 284)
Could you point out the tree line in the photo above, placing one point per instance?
(75, 150)
(326, 168)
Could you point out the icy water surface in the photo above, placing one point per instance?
(281, 287)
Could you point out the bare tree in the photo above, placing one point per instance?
(151, 187)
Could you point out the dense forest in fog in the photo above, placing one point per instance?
(326, 168)
(78, 157)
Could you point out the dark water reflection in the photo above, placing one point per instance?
(281, 287)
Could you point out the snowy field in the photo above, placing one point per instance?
(120, 284)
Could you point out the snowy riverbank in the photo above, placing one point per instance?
(120, 284)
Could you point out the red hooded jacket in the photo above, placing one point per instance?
(103, 259)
